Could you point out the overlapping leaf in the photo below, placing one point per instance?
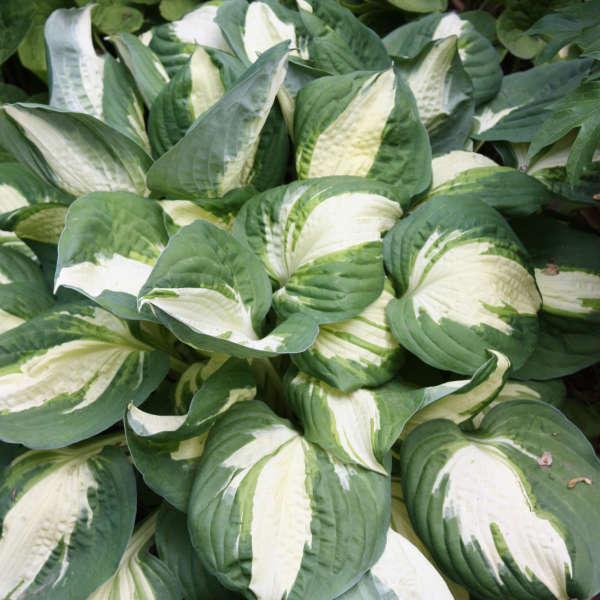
(320, 241)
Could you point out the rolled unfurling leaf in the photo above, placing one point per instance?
(82, 81)
(302, 527)
(145, 67)
(495, 493)
(225, 148)
(463, 286)
(195, 88)
(140, 574)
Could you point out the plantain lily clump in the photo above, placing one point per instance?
(299, 300)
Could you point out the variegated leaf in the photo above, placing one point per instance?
(23, 290)
(214, 294)
(195, 88)
(463, 286)
(176, 550)
(525, 100)
(358, 352)
(81, 81)
(227, 146)
(107, 250)
(69, 373)
(140, 575)
(479, 57)
(65, 518)
(293, 521)
(145, 67)
(74, 151)
(443, 92)
(567, 272)
(166, 448)
(320, 241)
(361, 426)
(363, 124)
(518, 497)
(175, 42)
(401, 573)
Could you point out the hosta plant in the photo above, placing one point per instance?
(299, 300)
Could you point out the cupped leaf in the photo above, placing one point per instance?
(567, 273)
(166, 448)
(501, 509)
(443, 91)
(357, 352)
(175, 42)
(145, 67)
(463, 286)
(65, 519)
(69, 373)
(140, 574)
(107, 250)
(81, 81)
(361, 426)
(511, 192)
(214, 294)
(74, 151)
(195, 88)
(23, 290)
(478, 55)
(176, 550)
(402, 571)
(320, 241)
(525, 100)
(224, 149)
(363, 124)
(293, 522)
